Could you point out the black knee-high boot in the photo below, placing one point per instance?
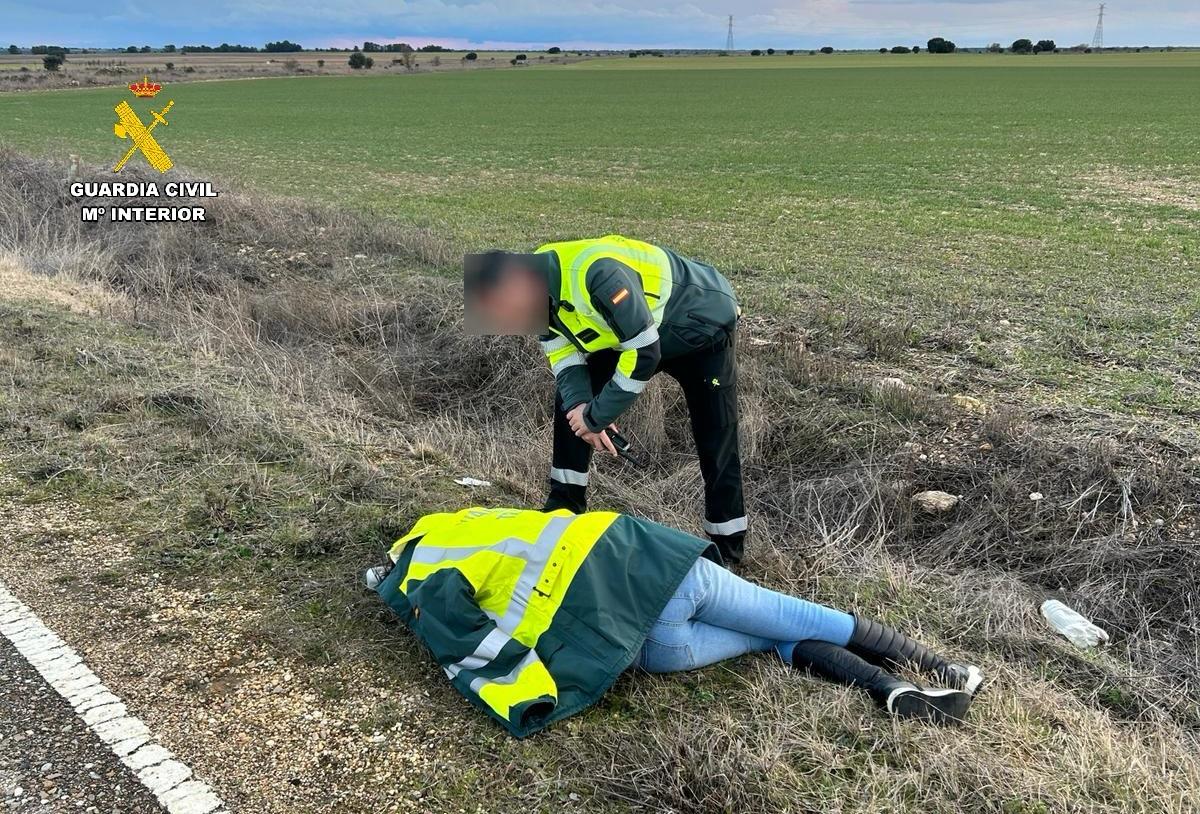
(897, 696)
(880, 644)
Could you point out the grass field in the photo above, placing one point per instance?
(255, 407)
(1056, 192)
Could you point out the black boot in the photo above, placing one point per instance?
(880, 644)
(566, 496)
(731, 546)
(899, 697)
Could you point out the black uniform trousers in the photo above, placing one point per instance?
(708, 377)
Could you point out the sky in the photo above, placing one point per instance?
(572, 24)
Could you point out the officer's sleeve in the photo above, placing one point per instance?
(616, 293)
(570, 369)
(488, 666)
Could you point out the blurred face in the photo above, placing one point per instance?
(516, 304)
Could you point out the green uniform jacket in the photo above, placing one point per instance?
(533, 615)
(643, 300)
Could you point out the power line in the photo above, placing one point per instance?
(1098, 37)
(729, 39)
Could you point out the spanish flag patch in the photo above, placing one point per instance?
(620, 296)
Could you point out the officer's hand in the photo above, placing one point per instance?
(599, 441)
(575, 419)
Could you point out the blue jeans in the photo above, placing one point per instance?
(715, 615)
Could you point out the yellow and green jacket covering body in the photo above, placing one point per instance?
(533, 615)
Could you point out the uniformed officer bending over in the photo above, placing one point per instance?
(611, 313)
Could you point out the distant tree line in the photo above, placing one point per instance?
(404, 47)
(223, 48)
(941, 45)
(391, 47)
(1026, 46)
(936, 45)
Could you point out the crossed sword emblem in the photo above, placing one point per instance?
(131, 127)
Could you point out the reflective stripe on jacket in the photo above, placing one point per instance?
(533, 615)
(643, 300)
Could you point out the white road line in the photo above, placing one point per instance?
(130, 740)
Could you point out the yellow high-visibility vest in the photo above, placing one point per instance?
(576, 256)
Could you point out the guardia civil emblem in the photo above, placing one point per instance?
(130, 127)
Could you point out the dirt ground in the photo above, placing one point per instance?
(269, 737)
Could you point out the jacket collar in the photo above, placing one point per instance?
(547, 265)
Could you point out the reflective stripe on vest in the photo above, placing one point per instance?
(646, 337)
(555, 344)
(487, 650)
(573, 359)
(528, 680)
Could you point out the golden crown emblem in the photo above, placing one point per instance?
(145, 88)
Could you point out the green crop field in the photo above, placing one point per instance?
(1058, 193)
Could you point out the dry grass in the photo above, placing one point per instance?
(26, 72)
(1113, 183)
(354, 384)
(241, 242)
(78, 295)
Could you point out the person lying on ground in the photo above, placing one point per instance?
(533, 615)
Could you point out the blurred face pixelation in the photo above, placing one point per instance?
(513, 302)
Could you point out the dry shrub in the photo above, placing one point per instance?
(683, 766)
(243, 241)
(82, 72)
(402, 355)
(1113, 530)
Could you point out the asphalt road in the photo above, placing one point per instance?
(50, 761)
